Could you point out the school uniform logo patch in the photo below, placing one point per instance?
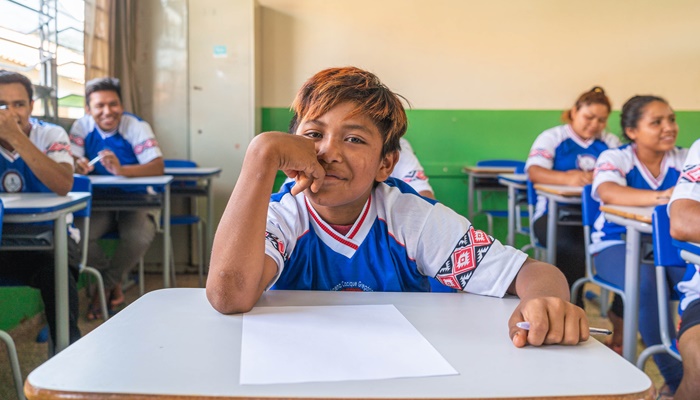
(415, 175)
(608, 167)
(143, 146)
(12, 182)
(541, 153)
(77, 140)
(466, 256)
(58, 146)
(691, 174)
(585, 162)
(274, 240)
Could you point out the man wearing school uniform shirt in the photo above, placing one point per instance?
(684, 209)
(35, 157)
(124, 145)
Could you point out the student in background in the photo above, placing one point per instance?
(35, 157)
(566, 155)
(684, 209)
(129, 148)
(346, 225)
(641, 173)
(409, 170)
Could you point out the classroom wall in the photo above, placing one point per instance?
(500, 54)
(485, 78)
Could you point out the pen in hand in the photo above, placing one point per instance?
(593, 331)
(95, 160)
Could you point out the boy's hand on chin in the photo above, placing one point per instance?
(296, 157)
(552, 321)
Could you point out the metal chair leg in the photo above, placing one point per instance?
(14, 362)
(100, 289)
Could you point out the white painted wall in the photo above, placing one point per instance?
(496, 54)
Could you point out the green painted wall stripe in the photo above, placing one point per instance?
(460, 137)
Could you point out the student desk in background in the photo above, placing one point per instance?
(197, 175)
(513, 182)
(23, 208)
(172, 344)
(555, 195)
(636, 220)
(127, 201)
(488, 175)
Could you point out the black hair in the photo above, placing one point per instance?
(98, 84)
(14, 77)
(633, 109)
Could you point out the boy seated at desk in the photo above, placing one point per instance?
(124, 145)
(684, 210)
(345, 225)
(35, 157)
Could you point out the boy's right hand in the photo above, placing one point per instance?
(296, 157)
(81, 166)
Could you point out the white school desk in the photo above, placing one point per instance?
(473, 173)
(120, 182)
(41, 207)
(636, 220)
(556, 194)
(513, 182)
(171, 344)
(199, 175)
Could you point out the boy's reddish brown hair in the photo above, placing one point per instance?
(333, 86)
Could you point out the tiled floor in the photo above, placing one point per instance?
(32, 354)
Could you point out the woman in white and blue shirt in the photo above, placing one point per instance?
(641, 173)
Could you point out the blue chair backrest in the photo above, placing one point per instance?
(82, 183)
(590, 208)
(520, 169)
(500, 163)
(531, 193)
(172, 163)
(665, 253)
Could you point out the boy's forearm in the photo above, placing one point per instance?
(685, 220)
(238, 254)
(539, 279)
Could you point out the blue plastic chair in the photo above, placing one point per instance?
(180, 220)
(480, 187)
(7, 339)
(82, 184)
(590, 209)
(666, 255)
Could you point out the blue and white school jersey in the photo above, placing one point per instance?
(15, 175)
(561, 149)
(409, 170)
(622, 166)
(399, 239)
(688, 187)
(133, 142)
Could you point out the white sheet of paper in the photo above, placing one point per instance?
(334, 343)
